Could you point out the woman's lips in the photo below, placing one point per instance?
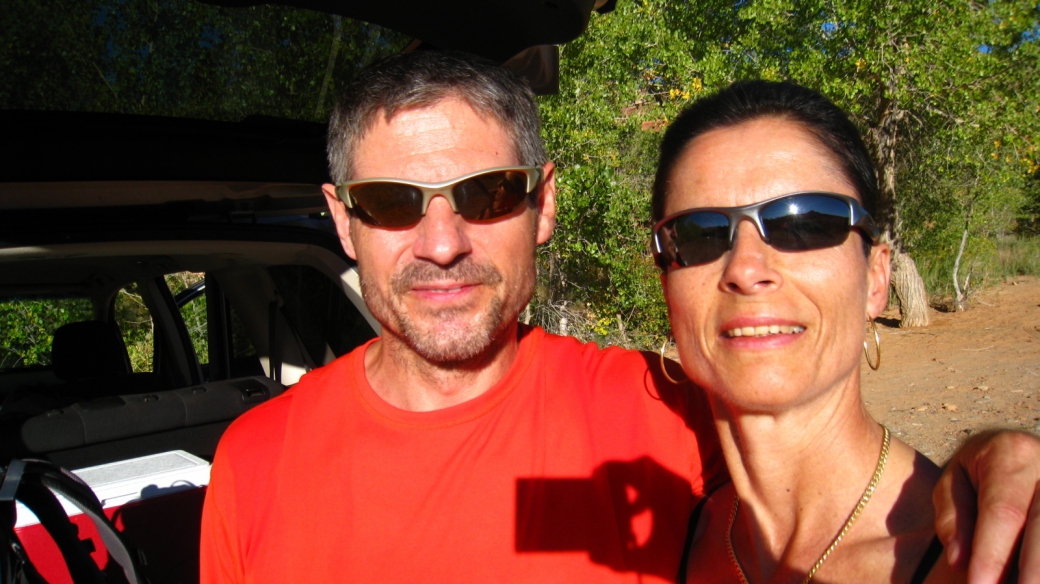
(763, 330)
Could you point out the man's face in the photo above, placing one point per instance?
(447, 287)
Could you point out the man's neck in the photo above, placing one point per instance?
(406, 380)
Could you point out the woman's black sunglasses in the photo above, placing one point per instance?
(794, 222)
(479, 196)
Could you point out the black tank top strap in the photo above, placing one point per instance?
(691, 528)
(931, 556)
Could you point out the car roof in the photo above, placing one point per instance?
(496, 29)
(59, 159)
(210, 171)
(46, 146)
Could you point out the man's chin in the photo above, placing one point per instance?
(450, 344)
(457, 340)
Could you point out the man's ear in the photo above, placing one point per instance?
(546, 206)
(879, 272)
(341, 218)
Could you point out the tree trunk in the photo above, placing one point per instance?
(882, 138)
(909, 288)
(958, 296)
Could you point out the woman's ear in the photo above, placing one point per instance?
(879, 273)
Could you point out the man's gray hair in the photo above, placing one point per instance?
(421, 79)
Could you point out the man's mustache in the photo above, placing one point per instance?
(465, 270)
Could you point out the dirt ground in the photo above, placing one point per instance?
(965, 372)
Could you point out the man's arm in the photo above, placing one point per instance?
(995, 474)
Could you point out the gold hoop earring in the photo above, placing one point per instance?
(664, 369)
(877, 343)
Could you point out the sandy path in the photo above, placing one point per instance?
(965, 372)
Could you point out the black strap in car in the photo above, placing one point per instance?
(274, 348)
(34, 483)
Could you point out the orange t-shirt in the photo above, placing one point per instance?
(580, 465)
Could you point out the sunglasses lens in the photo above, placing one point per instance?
(806, 222)
(387, 204)
(490, 195)
(699, 238)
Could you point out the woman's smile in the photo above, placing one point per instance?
(763, 330)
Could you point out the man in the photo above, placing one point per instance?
(460, 446)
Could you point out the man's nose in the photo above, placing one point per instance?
(442, 234)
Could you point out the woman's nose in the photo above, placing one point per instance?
(749, 267)
(442, 234)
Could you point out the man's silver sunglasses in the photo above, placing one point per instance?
(478, 196)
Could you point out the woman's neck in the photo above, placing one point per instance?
(798, 475)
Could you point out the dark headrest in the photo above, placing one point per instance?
(89, 349)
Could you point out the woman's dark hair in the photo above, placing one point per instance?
(745, 101)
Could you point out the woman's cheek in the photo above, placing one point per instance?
(690, 314)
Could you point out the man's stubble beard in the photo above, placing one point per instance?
(462, 341)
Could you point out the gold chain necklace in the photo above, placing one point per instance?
(882, 459)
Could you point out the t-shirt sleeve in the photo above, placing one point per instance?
(240, 482)
(689, 403)
(219, 559)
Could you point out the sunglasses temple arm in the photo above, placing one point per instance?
(538, 175)
(344, 195)
(862, 219)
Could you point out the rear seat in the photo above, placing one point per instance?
(91, 359)
(88, 426)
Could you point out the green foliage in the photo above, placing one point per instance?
(27, 327)
(620, 84)
(945, 93)
(987, 262)
(961, 187)
(180, 58)
(135, 322)
(193, 312)
(1018, 256)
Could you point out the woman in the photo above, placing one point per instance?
(772, 270)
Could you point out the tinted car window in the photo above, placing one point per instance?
(135, 322)
(193, 311)
(319, 312)
(27, 326)
(245, 360)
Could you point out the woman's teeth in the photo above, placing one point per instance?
(764, 330)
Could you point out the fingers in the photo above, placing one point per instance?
(956, 509)
(1029, 558)
(1004, 469)
(997, 535)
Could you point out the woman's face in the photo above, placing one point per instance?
(822, 297)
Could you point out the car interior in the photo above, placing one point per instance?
(263, 313)
(160, 276)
